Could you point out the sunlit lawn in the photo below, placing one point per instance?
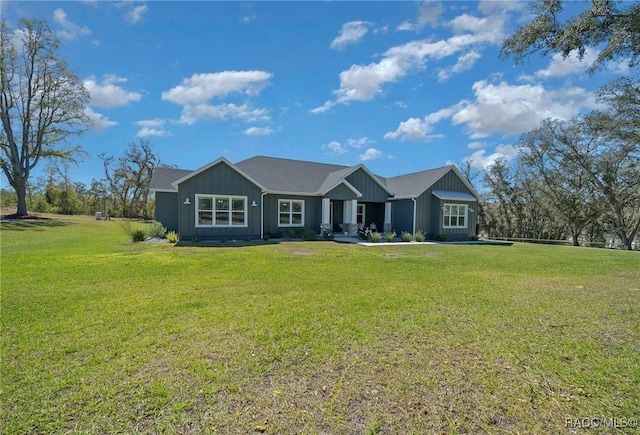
(103, 335)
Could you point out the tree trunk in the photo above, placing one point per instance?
(21, 192)
(574, 238)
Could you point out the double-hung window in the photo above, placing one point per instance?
(221, 211)
(454, 216)
(290, 213)
(360, 217)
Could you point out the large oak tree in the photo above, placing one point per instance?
(42, 103)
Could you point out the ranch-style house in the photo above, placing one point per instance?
(266, 195)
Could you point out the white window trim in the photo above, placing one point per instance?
(213, 216)
(466, 215)
(362, 207)
(290, 225)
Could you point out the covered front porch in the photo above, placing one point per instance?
(347, 216)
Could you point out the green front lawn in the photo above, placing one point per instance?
(103, 335)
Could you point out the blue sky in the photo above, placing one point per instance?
(398, 86)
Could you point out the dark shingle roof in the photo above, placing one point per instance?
(285, 175)
(163, 177)
(416, 183)
(297, 176)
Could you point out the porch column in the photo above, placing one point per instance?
(326, 215)
(387, 218)
(350, 213)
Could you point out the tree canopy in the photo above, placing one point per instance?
(42, 103)
(612, 25)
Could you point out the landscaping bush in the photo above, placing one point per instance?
(376, 237)
(173, 237)
(405, 236)
(419, 236)
(389, 237)
(309, 235)
(289, 233)
(134, 234)
(441, 238)
(364, 233)
(156, 230)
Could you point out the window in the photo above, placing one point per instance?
(361, 215)
(454, 216)
(221, 211)
(290, 213)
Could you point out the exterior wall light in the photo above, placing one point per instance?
(253, 203)
(187, 202)
(470, 210)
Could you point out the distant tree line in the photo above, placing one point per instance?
(576, 179)
(123, 192)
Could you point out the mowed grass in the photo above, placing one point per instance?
(103, 335)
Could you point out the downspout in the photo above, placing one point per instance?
(415, 213)
(262, 215)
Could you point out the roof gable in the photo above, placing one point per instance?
(221, 160)
(415, 184)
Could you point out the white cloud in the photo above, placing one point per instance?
(413, 129)
(200, 88)
(561, 66)
(336, 147)
(508, 109)
(108, 94)
(258, 131)
(351, 33)
(406, 26)
(480, 160)
(370, 154)
(99, 122)
(500, 109)
(365, 82)
(416, 129)
(246, 19)
(70, 31)
(359, 143)
(192, 114)
(429, 13)
(135, 15)
(464, 63)
(152, 127)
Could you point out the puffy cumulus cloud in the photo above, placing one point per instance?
(413, 129)
(258, 131)
(417, 129)
(152, 127)
(351, 33)
(513, 109)
(370, 154)
(70, 31)
(365, 82)
(480, 160)
(222, 112)
(200, 88)
(136, 14)
(98, 121)
(108, 93)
